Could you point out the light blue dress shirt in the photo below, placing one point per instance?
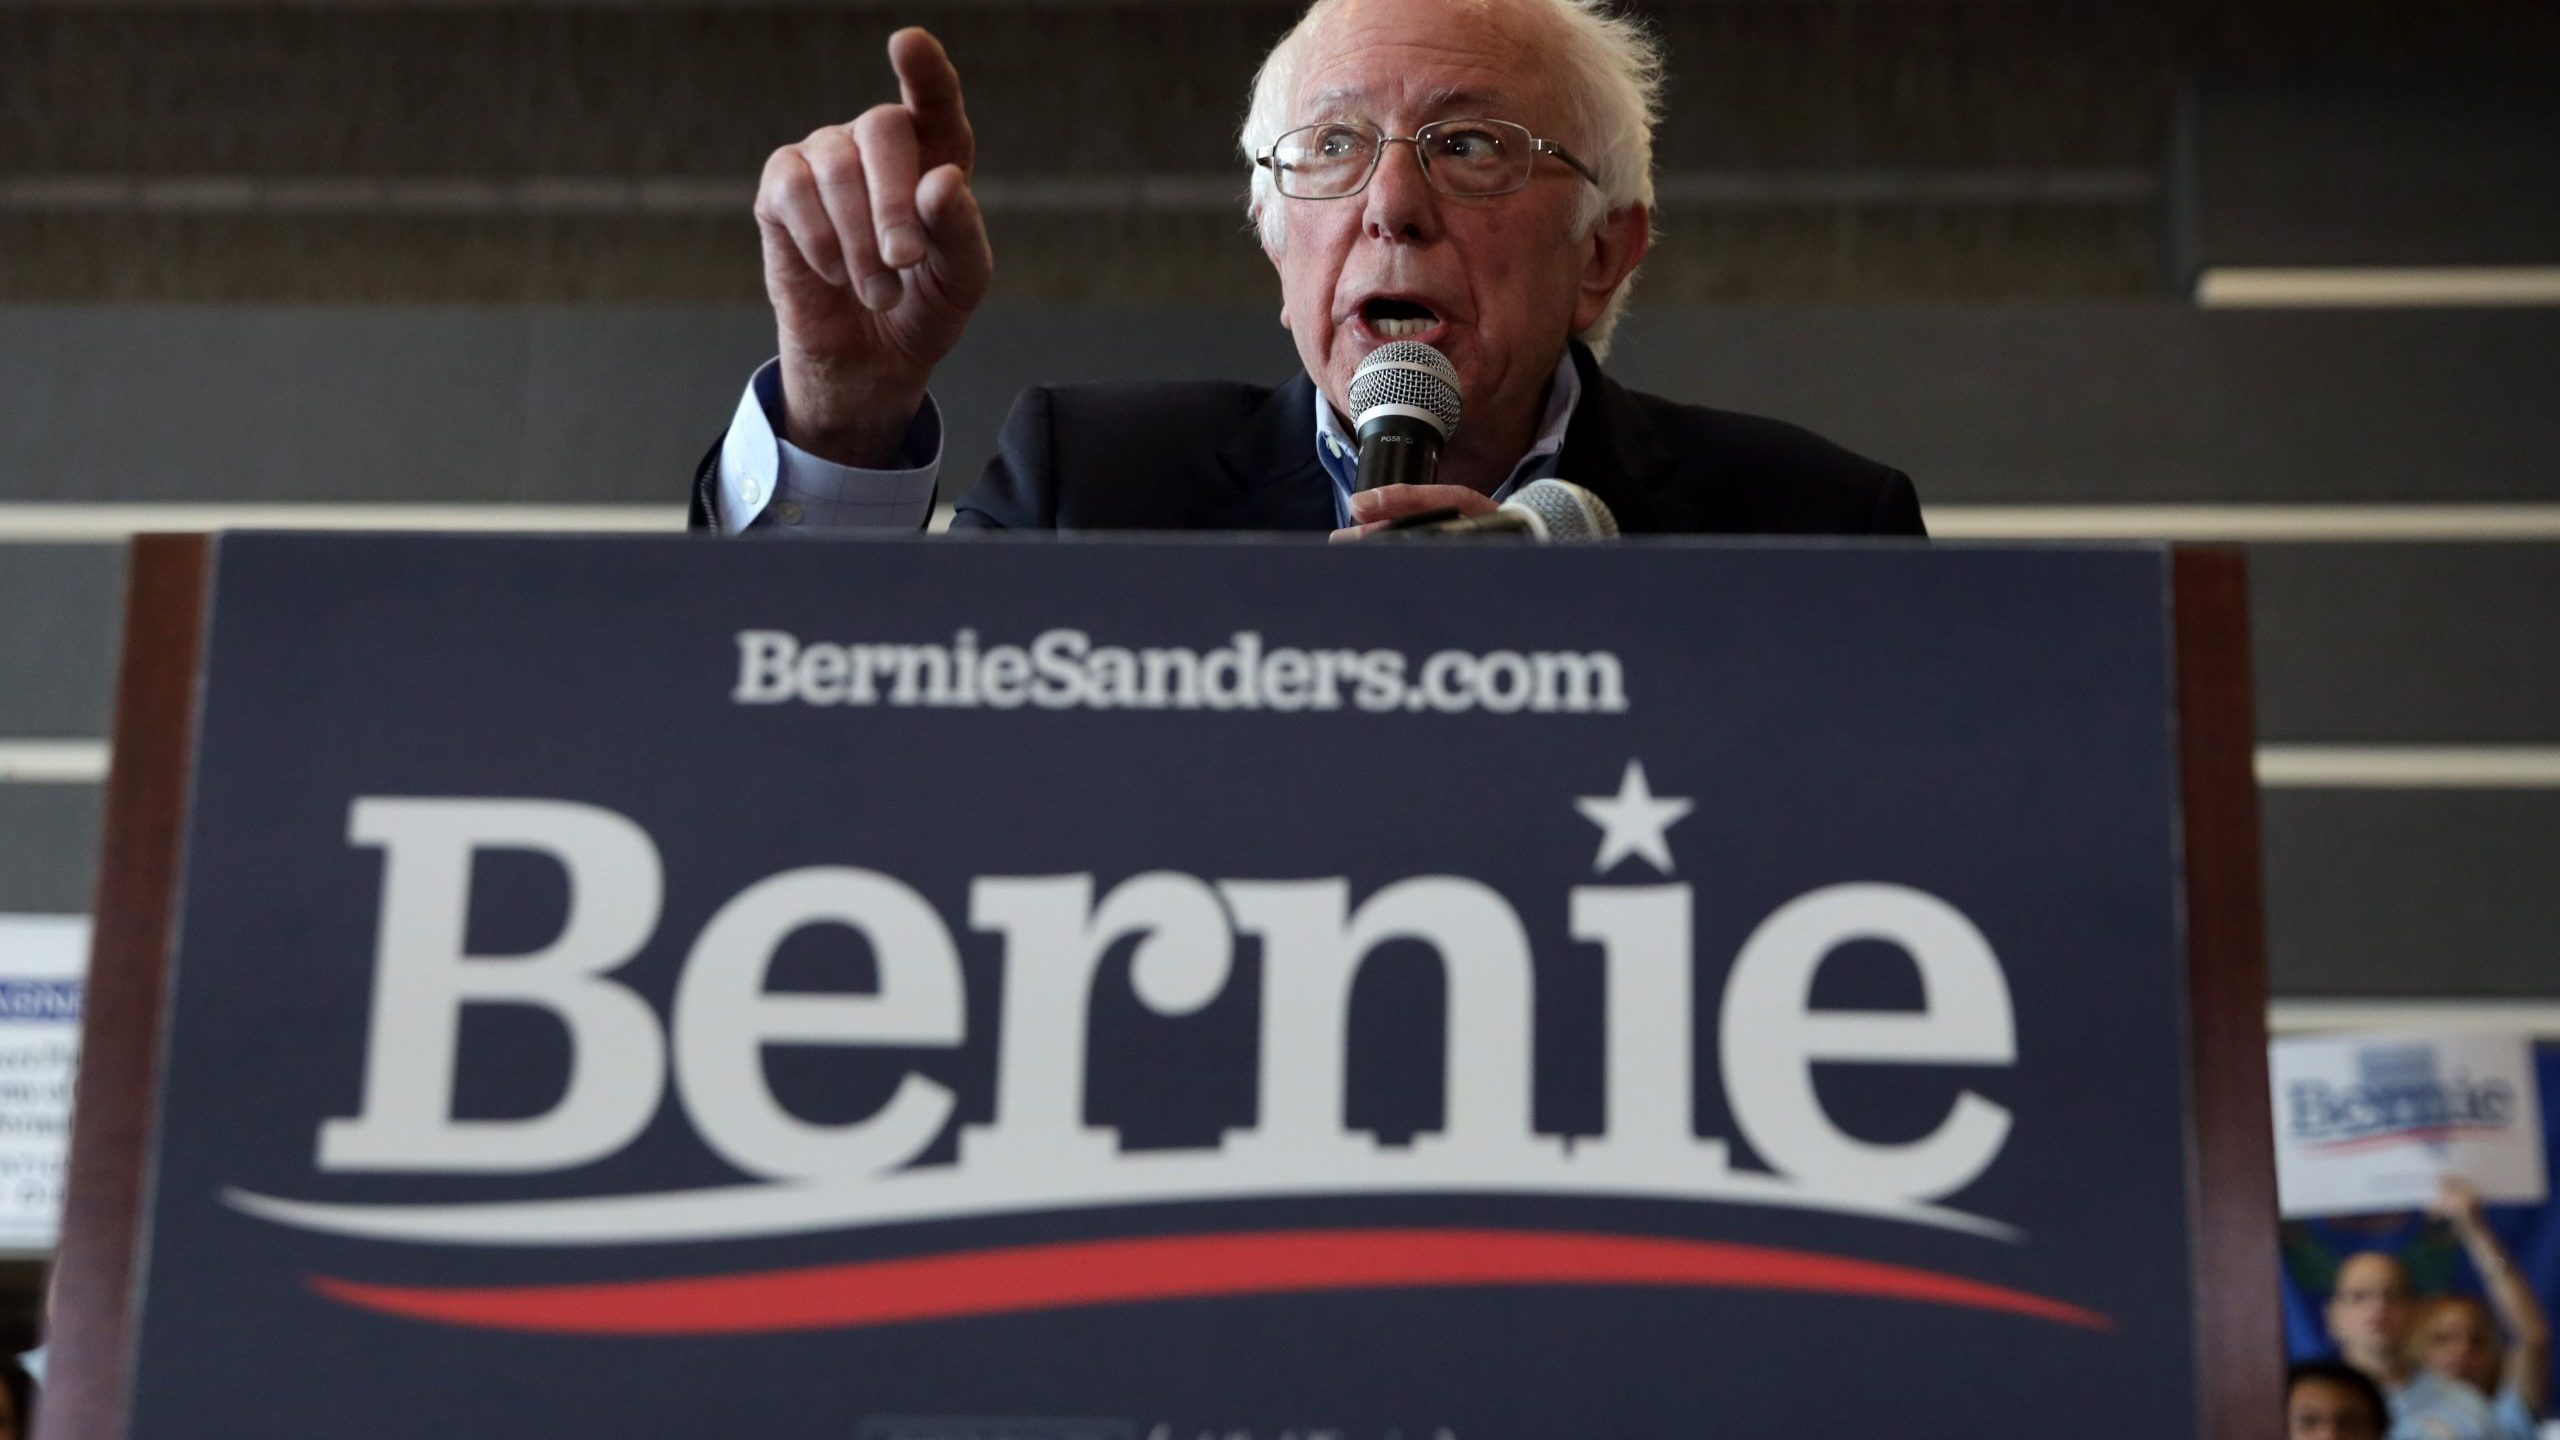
(2431, 1407)
(769, 483)
(766, 482)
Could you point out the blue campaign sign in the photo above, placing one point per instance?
(1174, 989)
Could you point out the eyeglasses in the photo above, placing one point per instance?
(1335, 159)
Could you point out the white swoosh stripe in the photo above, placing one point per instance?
(746, 1211)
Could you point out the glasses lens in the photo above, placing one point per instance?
(1477, 157)
(1319, 162)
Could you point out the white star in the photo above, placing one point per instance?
(1632, 822)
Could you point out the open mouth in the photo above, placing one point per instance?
(1398, 319)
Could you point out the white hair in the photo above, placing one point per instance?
(1611, 68)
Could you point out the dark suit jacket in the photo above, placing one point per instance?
(1219, 455)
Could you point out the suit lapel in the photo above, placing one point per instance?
(1612, 450)
(1271, 460)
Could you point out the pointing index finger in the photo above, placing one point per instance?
(929, 86)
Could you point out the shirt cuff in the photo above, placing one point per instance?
(766, 482)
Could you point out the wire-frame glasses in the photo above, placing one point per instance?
(1336, 158)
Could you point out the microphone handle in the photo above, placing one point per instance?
(1397, 450)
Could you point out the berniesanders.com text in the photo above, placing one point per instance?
(1064, 669)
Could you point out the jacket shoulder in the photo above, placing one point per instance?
(1217, 402)
(1738, 473)
(1107, 456)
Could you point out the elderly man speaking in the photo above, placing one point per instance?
(1475, 175)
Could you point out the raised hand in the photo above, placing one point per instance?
(875, 256)
(2459, 1203)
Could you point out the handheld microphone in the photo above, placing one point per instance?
(1404, 405)
(1546, 511)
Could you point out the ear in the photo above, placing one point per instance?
(1272, 254)
(1617, 245)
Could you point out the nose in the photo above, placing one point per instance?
(1401, 205)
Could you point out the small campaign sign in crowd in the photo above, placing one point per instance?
(42, 961)
(2373, 1122)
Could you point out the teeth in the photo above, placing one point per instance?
(1401, 329)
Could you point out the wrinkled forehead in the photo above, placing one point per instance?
(1354, 100)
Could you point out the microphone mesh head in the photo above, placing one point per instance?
(1571, 513)
(1406, 372)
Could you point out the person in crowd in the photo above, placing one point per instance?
(1474, 175)
(2457, 1336)
(2370, 1319)
(2328, 1400)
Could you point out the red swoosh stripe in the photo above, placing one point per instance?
(1172, 1267)
(2422, 1134)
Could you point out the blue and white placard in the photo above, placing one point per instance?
(2371, 1122)
(44, 960)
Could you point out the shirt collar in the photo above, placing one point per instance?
(1340, 453)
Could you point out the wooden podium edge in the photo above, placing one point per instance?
(90, 1337)
(2232, 1202)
